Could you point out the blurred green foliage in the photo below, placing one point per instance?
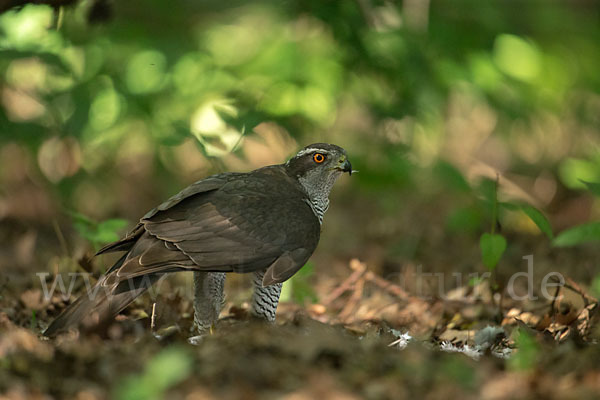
(428, 97)
(299, 287)
(98, 233)
(596, 287)
(526, 357)
(167, 368)
(460, 371)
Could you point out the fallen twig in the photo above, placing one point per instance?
(387, 286)
(359, 269)
(574, 286)
(153, 318)
(355, 298)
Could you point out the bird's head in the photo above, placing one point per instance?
(317, 167)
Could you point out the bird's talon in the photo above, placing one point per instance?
(196, 340)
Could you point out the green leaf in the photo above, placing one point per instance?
(451, 176)
(534, 214)
(164, 370)
(539, 219)
(301, 286)
(509, 206)
(101, 237)
(487, 190)
(492, 248)
(595, 287)
(177, 134)
(475, 280)
(108, 231)
(97, 233)
(78, 217)
(527, 352)
(593, 187)
(169, 367)
(246, 121)
(84, 229)
(577, 235)
(112, 225)
(573, 172)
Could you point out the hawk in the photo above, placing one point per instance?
(266, 222)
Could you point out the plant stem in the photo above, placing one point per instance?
(495, 204)
(493, 283)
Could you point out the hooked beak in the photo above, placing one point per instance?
(345, 166)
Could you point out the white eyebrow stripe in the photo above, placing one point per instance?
(310, 150)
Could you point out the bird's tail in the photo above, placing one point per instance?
(101, 303)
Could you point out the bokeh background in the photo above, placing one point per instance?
(108, 108)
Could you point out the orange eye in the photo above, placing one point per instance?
(319, 158)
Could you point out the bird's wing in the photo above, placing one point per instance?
(247, 224)
(206, 185)
(285, 266)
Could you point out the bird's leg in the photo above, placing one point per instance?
(208, 299)
(264, 299)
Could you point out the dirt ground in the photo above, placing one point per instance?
(390, 311)
(366, 337)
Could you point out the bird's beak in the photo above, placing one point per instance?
(345, 166)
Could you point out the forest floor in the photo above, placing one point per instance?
(363, 334)
(367, 338)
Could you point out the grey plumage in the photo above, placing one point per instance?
(266, 221)
(209, 298)
(265, 298)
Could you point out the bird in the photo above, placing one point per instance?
(266, 222)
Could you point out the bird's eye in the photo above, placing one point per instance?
(319, 158)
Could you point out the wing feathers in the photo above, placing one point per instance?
(223, 224)
(285, 266)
